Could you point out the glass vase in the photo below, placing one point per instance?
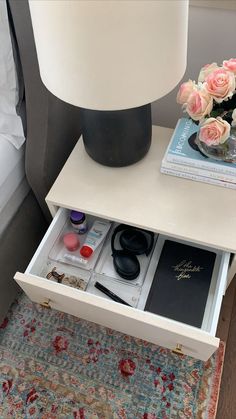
(224, 152)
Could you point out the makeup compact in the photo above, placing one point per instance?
(71, 241)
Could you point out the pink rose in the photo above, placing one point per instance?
(230, 65)
(214, 131)
(207, 69)
(199, 104)
(220, 84)
(185, 91)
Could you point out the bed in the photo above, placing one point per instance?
(13, 184)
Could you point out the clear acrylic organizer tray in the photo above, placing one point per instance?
(105, 265)
(71, 276)
(58, 251)
(125, 291)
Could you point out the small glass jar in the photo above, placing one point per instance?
(78, 221)
(225, 152)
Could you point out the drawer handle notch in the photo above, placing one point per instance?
(178, 350)
(46, 304)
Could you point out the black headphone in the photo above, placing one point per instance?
(133, 242)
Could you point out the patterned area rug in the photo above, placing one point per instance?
(53, 365)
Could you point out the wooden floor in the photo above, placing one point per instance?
(227, 332)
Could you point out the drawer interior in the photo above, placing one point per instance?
(49, 256)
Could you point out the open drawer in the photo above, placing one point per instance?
(181, 338)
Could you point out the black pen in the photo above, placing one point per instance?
(110, 294)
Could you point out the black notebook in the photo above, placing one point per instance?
(181, 283)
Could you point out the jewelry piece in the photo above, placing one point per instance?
(71, 280)
(75, 282)
(55, 274)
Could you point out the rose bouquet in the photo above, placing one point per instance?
(211, 102)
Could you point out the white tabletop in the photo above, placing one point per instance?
(140, 195)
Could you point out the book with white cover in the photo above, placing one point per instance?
(181, 150)
(198, 178)
(196, 171)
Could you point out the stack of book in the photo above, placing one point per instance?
(183, 159)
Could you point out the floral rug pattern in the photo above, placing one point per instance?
(53, 365)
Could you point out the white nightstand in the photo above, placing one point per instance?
(139, 195)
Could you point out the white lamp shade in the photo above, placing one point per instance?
(110, 55)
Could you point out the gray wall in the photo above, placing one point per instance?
(211, 38)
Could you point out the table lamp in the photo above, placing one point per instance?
(112, 59)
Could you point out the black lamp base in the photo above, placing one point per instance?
(117, 138)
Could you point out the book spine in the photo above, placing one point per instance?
(198, 171)
(204, 179)
(201, 164)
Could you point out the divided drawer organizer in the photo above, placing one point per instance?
(92, 305)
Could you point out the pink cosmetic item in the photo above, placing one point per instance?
(71, 241)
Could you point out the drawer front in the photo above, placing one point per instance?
(143, 325)
(135, 322)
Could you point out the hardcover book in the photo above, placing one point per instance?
(182, 150)
(181, 283)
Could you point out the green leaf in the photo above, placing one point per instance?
(216, 112)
